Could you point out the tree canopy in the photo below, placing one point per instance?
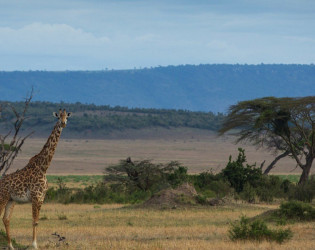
(285, 125)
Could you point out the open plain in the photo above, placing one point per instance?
(118, 227)
(115, 226)
(199, 150)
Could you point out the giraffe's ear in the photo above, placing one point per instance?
(55, 114)
(69, 114)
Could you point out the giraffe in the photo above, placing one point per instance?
(29, 184)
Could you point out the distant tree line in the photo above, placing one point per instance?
(98, 118)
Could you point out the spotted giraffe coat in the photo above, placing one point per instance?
(30, 183)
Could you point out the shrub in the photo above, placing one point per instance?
(203, 180)
(248, 194)
(305, 192)
(271, 186)
(178, 176)
(257, 230)
(99, 193)
(211, 185)
(201, 199)
(145, 175)
(60, 195)
(238, 174)
(296, 210)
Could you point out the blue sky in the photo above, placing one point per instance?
(117, 34)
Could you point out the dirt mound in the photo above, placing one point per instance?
(173, 198)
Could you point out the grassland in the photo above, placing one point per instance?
(81, 162)
(117, 227)
(199, 150)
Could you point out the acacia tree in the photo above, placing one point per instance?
(283, 125)
(11, 142)
(145, 175)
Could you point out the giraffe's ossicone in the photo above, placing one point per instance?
(30, 183)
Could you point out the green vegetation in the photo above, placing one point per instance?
(134, 182)
(296, 210)
(104, 119)
(289, 212)
(145, 175)
(4, 242)
(8, 147)
(294, 178)
(244, 181)
(282, 125)
(304, 192)
(99, 193)
(79, 180)
(239, 175)
(257, 230)
(126, 182)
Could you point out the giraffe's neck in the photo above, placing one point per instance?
(43, 159)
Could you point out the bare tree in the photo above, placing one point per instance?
(282, 125)
(10, 149)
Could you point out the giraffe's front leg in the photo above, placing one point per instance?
(6, 220)
(36, 205)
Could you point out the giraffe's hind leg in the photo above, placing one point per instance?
(6, 220)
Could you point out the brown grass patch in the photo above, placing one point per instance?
(116, 227)
(199, 150)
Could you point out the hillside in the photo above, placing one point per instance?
(91, 121)
(197, 88)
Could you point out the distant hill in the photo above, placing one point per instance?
(187, 87)
(91, 121)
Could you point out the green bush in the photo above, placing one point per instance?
(178, 176)
(304, 192)
(271, 186)
(257, 230)
(296, 210)
(211, 185)
(204, 179)
(238, 174)
(146, 175)
(201, 199)
(99, 193)
(248, 194)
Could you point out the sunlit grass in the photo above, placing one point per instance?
(118, 227)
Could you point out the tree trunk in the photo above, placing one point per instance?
(306, 171)
(272, 164)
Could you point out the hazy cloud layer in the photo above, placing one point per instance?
(60, 35)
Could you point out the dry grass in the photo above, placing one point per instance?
(115, 227)
(198, 150)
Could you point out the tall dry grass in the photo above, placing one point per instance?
(115, 227)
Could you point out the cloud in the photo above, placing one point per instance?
(78, 34)
(40, 38)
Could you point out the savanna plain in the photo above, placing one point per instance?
(120, 226)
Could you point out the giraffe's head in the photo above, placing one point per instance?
(62, 117)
